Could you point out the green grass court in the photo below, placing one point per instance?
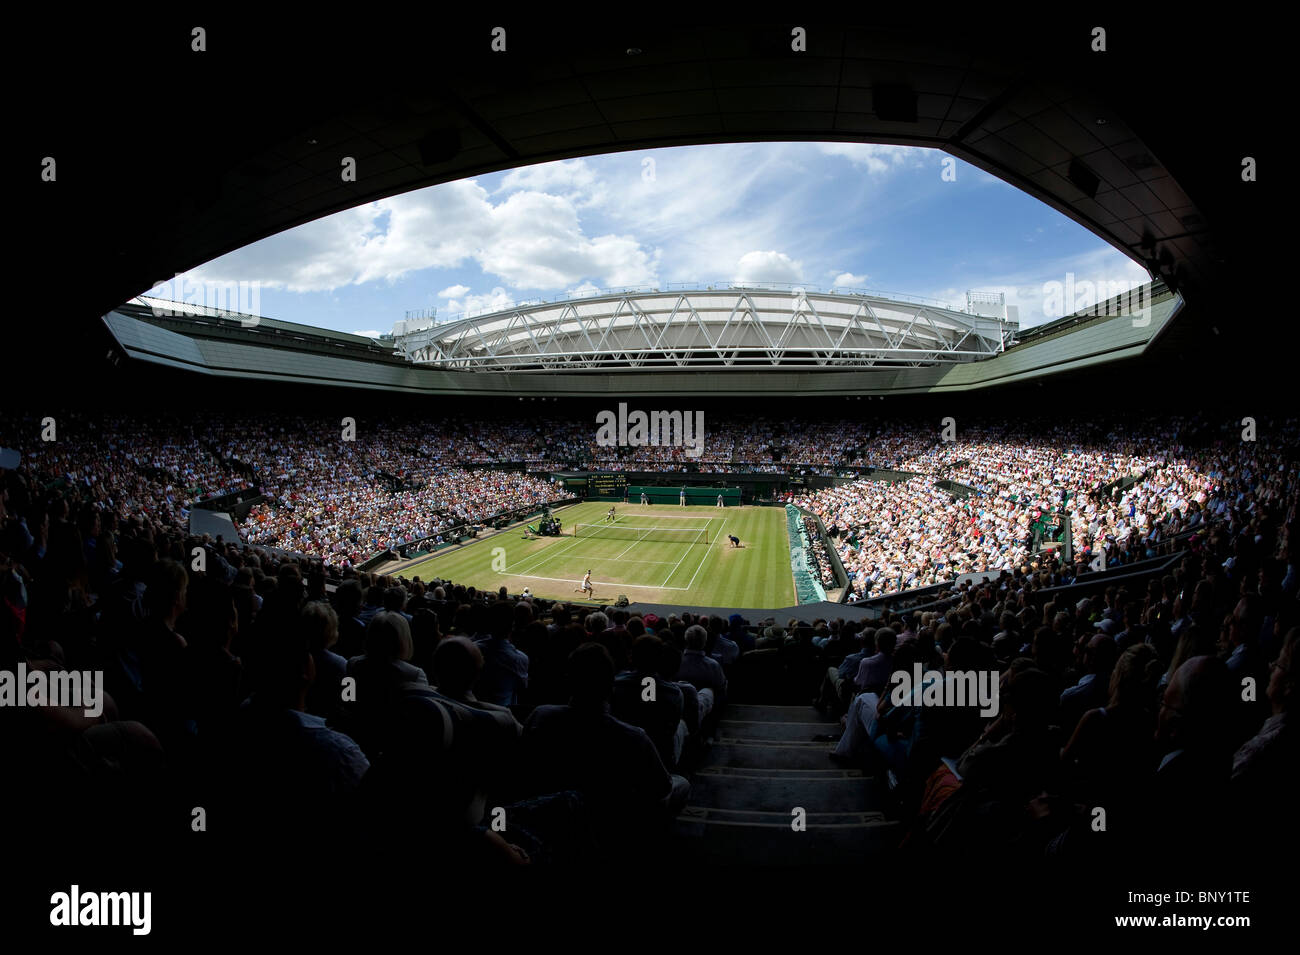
(655, 554)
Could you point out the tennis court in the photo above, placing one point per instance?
(648, 553)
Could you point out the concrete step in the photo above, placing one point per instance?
(765, 764)
(752, 754)
(774, 732)
(752, 712)
(722, 837)
(833, 771)
(781, 792)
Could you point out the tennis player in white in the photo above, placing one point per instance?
(586, 587)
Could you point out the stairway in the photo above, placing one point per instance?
(763, 765)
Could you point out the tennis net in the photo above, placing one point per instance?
(684, 535)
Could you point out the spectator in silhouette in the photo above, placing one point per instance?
(701, 670)
(696, 704)
(837, 687)
(1014, 760)
(352, 632)
(425, 637)
(374, 604)
(321, 625)
(725, 650)
(1244, 659)
(1112, 744)
(1263, 780)
(862, 721)
(291, 773)
(613, 638)
(505, 667)
(1193, 745)
(661, 716)
(873, 672)
(945, 731)
(212, 623)
(380, 675)
(1093, 687)
(395, 601)
(163, 661)
(615, 766)
(457, 668)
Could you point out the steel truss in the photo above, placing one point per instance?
(708, 328)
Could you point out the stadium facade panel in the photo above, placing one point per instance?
(770, 353)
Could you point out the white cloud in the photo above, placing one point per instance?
(493, 301)
(705, 207)
(877, 158)
(574, 180)
(849, 280)
(767, 267)
(369, 333)
(538, 243)
(529, 240)
(707, 213)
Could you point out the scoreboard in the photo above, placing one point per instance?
(607, 485)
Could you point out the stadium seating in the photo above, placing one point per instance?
(225, 675)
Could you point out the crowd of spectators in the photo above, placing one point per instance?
(331, 514)
(346, 497)
(1165, 702)
(285, 696)
(1124, 496)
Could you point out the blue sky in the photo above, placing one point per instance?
(818, 214)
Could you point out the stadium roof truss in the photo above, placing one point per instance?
(709, 328)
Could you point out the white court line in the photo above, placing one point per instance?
(637, 541)
(706, 557)
(547, 553)
(685, 554)
(625, 560)
(670, 517)
(569, 580)
(706, 527)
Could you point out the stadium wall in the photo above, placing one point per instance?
(807, 588)
(837, 565)
(248, 354)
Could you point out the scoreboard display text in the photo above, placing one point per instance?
(606, 485)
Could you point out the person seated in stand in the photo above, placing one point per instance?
(615, 766)
(505, 671)
(701, 670)
(282, 764)
(380, 673)
(660, 715)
